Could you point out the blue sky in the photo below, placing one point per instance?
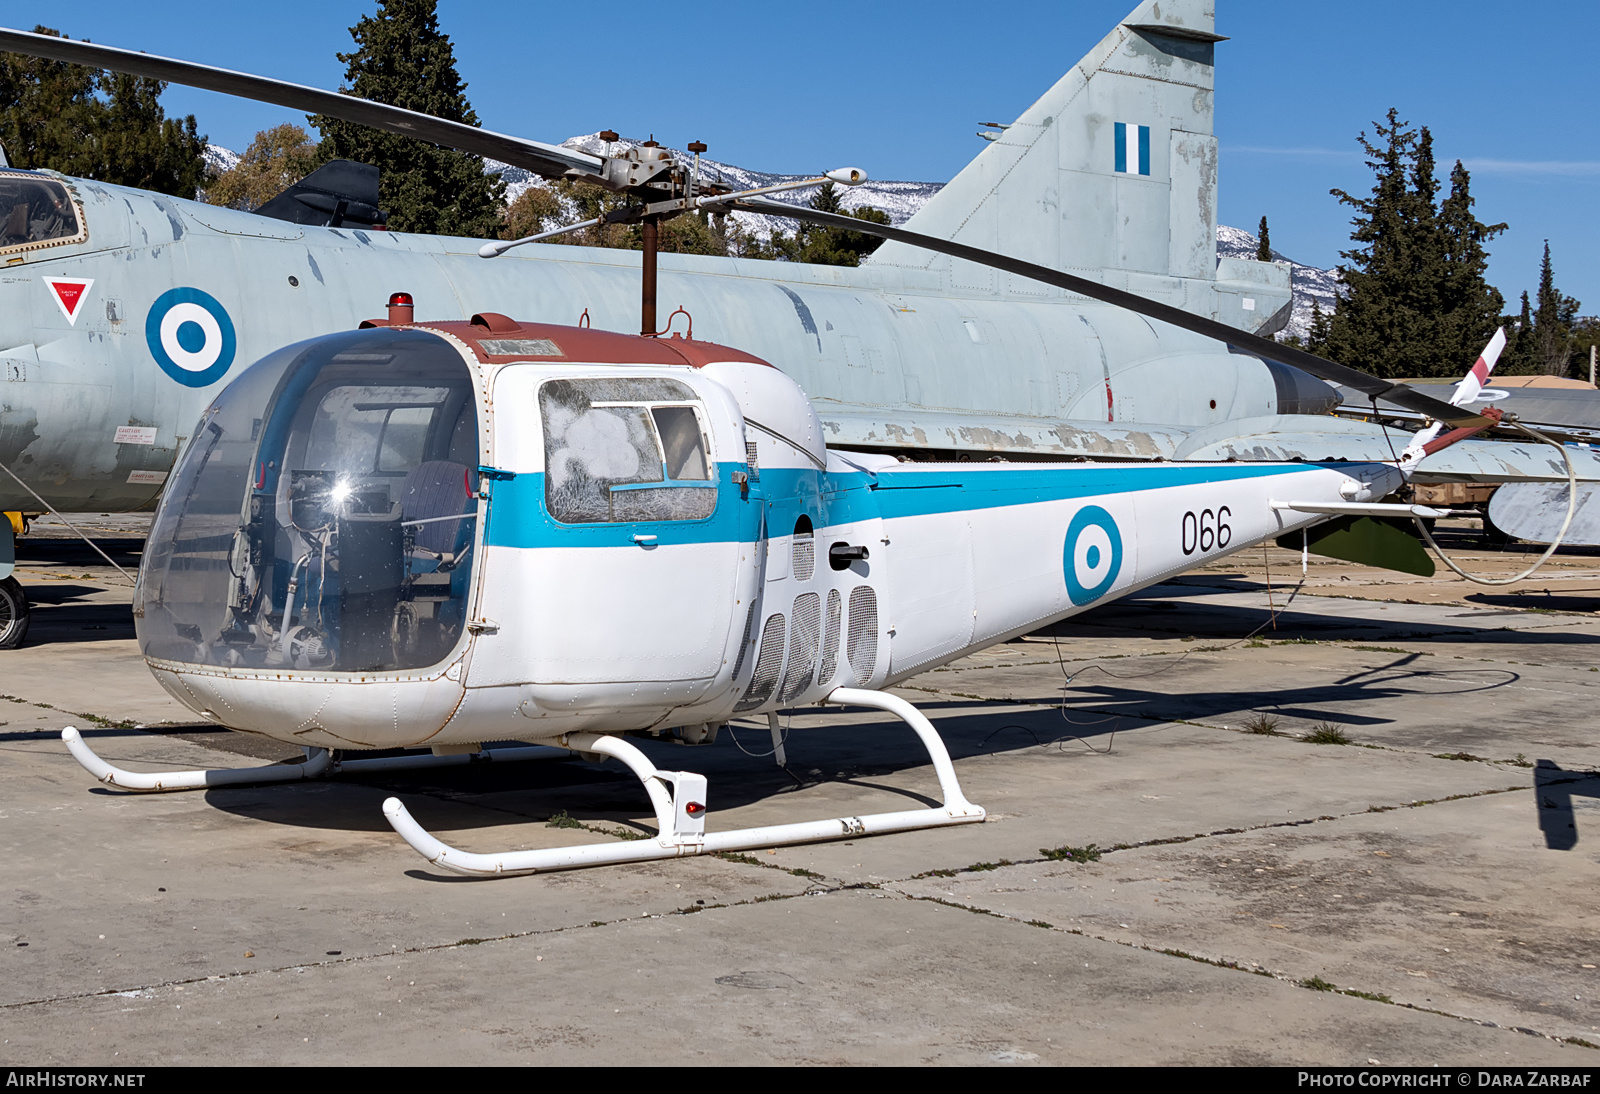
(898, 89)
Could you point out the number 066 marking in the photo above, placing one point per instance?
(1206, 531)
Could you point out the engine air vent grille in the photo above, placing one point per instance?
(862, 649)
(803, 639)
(830, 639)
(769, 663)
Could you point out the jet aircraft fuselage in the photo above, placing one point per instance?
(102, 382)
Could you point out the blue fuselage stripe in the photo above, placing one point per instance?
(518, 517)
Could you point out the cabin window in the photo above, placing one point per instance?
(36, 210)
(625, 450)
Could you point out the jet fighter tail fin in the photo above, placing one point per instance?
(1113, 169)
(338, 193)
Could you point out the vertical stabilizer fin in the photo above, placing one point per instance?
(1113, 169)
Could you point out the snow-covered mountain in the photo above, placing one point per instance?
(898, 199)
(1309, 282)
(220, 159)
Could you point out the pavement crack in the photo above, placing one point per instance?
(1314, 983)
(353, 959)
(1058, 854)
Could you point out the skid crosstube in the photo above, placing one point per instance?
(680, 814)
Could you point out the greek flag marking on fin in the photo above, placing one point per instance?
(1140, 162)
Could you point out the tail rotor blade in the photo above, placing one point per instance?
(1472, 383)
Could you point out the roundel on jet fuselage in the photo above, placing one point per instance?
(1092, 555)
(190, 336)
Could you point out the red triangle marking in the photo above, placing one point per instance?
(70, 294)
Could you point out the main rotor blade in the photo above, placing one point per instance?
(1399, 394)
(551, 161)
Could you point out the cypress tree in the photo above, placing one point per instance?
(1469, 307)
(93, 124)
(1317, 330)
(1517, 359)
(1415, 302)
(1552, 322)
(1263, 245)
(403, 59)
(1369, 324)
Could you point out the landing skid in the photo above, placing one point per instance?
(319, 763)
(681, 814)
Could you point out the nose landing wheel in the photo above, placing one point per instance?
(13, 614)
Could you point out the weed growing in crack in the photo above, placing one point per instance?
(1263, 725)
(562, 820)
(1376, 997)
(734, 856)
(1089, 853)
(1326, 733)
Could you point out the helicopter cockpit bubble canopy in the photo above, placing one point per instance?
(324, 516)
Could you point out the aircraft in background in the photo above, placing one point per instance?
(122, 311)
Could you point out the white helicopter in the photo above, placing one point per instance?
(431, 535)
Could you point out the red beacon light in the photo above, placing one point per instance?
(401, 308)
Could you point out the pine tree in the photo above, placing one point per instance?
(403, 59)
(99, 125)
(140, 146)
(823, 246)
(1414, 302)
(1263, 244)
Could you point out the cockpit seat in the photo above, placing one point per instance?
(437, 489)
